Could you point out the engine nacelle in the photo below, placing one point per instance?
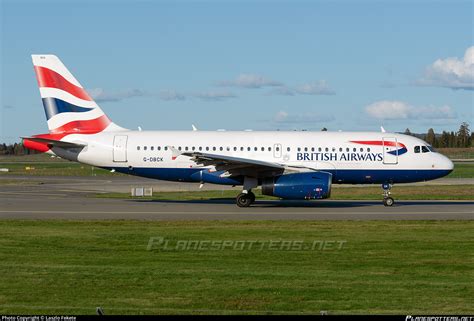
(298, 186)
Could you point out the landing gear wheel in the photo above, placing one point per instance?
(252, 196)
(388, 201)
(243, 200)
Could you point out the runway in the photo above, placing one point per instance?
(33, 202)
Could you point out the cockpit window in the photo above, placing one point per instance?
(431, 149)
(425, 149)
(417, 149)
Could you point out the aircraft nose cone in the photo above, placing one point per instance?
(447, 164)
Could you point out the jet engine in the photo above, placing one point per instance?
(299, 186)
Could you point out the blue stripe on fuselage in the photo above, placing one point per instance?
(342, 176)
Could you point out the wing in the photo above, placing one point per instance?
(237, 166)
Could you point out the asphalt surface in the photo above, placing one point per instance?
(70, 198)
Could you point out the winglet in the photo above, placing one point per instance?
(174, 152)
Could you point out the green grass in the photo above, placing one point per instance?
(428, 192)
(462, 170)
(53, 168)
(66, 267)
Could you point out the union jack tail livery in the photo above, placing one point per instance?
(68, 107)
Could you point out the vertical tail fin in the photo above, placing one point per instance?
(67, 105)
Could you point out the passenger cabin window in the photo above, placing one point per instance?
(144, 147)
(138, 147)
(288, 149)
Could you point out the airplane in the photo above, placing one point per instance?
(286, 164)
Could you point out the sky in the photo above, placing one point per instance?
(236, 65)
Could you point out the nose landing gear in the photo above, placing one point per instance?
(387, 200)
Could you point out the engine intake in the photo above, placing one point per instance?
(312, 185)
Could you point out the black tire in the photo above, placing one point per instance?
(243, 200)
(252, 196)
(388, 201)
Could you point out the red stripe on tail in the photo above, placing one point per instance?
(49, 78)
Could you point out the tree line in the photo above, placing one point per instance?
(461, 138)
(15, 149)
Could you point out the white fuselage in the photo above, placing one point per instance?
(352, 157)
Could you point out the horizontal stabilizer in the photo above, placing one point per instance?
(54, 143)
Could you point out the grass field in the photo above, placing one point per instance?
(66, 267)
(428, 192)
(53, 168)
(462, 170)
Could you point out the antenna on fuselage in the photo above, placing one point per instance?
(194, 128)
(382, 129)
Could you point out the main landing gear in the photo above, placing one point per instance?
(245, 199)
(387, 200)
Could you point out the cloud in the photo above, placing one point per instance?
(171, 95)
(8, 107)
(451, 72)
(250, 81)
(282, 117)
(319, 87)
(214, 95)
(205, 95)
(398, 110)
(315, 88)
(102, 96)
